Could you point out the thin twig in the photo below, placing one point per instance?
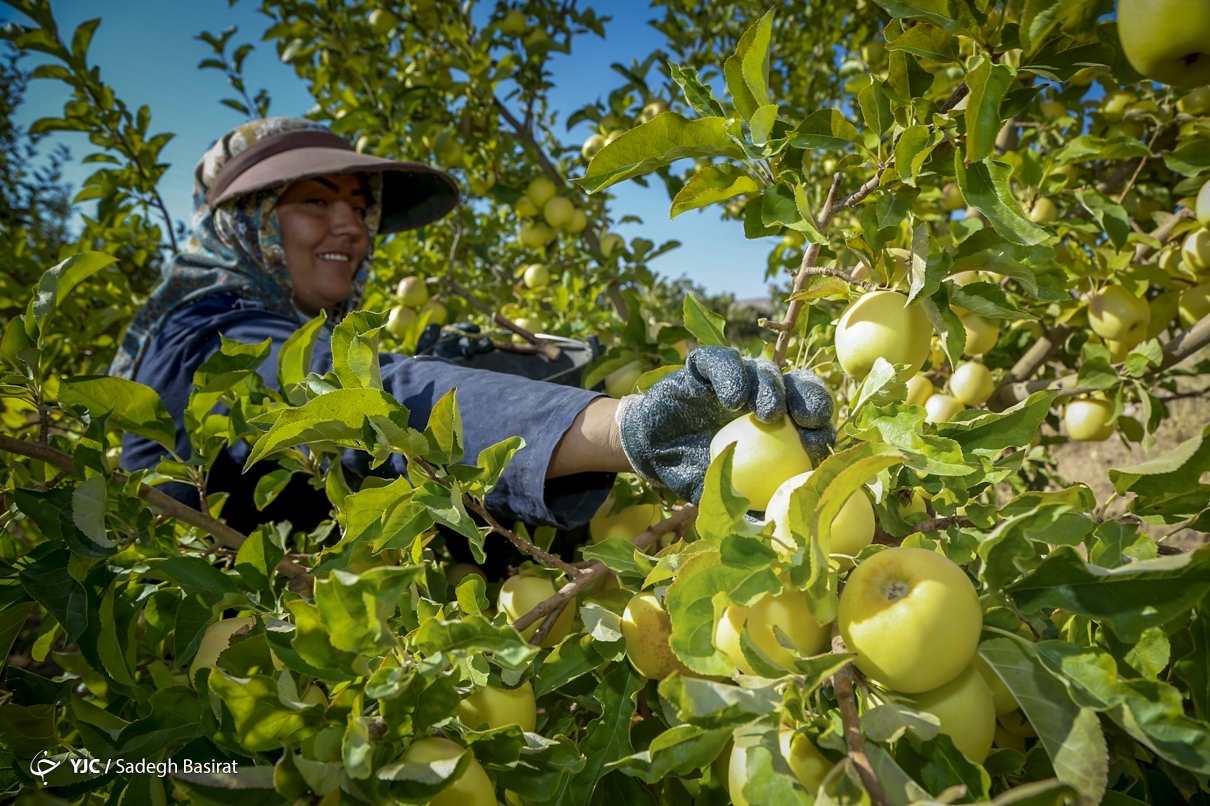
(533, 550)
(810, 255)
(549, 350)
(842, 685)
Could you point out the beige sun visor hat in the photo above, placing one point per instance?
(413, 194)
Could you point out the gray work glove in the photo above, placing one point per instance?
(666, 432)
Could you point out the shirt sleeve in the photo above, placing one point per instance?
(494, 406)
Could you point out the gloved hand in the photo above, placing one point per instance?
(666, 432)
(461, 339)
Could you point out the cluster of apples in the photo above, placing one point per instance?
(413, 301)
(544, 212)
(611, 127)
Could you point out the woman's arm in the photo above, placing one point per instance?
(592, 443)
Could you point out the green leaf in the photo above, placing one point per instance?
(1193, 668)
(355, 350)
(937, 12)
(444, 431)
(985, 185)
(294, 359)
(269, 486)
(678, 751)
(193, 575)
(825, 129)
(12, 621)
(991, 433)
(928, 42)
(356, 607)
(1112, 217)
(56, 283)
(1175, 472)
(710, 184)
(1070, 734)
(913, 148)
(875, 107)
(474, 634)
(258, 557)
(130, 406)
(988, 81)
(946, 766)
(608, 736)
(262, 721)
(659, 142)
(710, 704)
(173, 716)
(705, 325)
(417, 782)
(697, 95)
(89, 503)
(721, 509)
(987, 300)
(753, 50)
(1128, 600)
(889, 722)
(494, 459)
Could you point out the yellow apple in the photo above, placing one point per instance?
(401, 320)
(765, 456)
(592, 145)
(971, 383)
(1118, 350)
(1053, 109)
(536, 276)
(1115, 313)
(525, 208)
(1196, 103)
(460, 571)
(610, 243)
(805, 761)
(472, 788)
(913, 618)
(793, 239)
(522, 593)
(578, 223)
(1195, 304)
(1044, 211)
(1088, 420)
(489, 708)
(1002, 698)
(882, 324)
(964, 277)
(412, 292)
(790, 613)
(610, 122)
(1006, 741)
(513, 23)
(647, 630)
(1203, 205)
(966, 710)
(532, 324)
(653, 110)
(535, 37)
(216, 639)
(621, 381)
(437, 312)
(1196, 249)
(534, 236)
(613, 135)
(382, 21)
(540, 191)
(852, 529)
(558, 211)
(981, 335)
(1014, 722)
(951, 198)
(942, 408)
(919, 389)
(452, 154)
(1114, 105)
(1167, 40)
(627, 524)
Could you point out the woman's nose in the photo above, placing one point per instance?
(344, 218)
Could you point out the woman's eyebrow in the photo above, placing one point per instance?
(326, 183)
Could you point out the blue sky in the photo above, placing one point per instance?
(146, 50)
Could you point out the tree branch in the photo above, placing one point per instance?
(546, 348)
(226, 536)
(842, 685)
(539, 554)
(580, 579)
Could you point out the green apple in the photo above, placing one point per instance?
(489, 708)
(215, 640)
(981, 335)
(627, 524)
(1196, 103)
(621, 381)
(1014, 722)
(540, 191)
(526, 208)
(951, 198)
(647, 630)
(1115, 104)
(1196, 248)
(513, 23)
(805, 761)
(1053, 109)
(1195, 304)
(852, 529)
(611, 121)
(789, 612)
(452, 154)
(536, 275)
(613, 135)
(534, 236)
(401, 320)
(1088, 420)
(530, 323)
(913, 618)
(558, 211)
(592, 145)
(460, 571)
(535, 37)
(437, 312)
(1118, 350)
(966, 710)
(919, 389)
(382, 21)
(793, 239)
(610, 243)
(882, 324)
(766, 454)
(971, 383)
(522, 593)
(472, 787)
(1002, 698)
(653, 110)
(412, 292)
(1006, 741)
(1044, 211)
(579, 221)
(1202, 207)
(1167, 40)
(1115, 313)
(942, 408)
(964, 277)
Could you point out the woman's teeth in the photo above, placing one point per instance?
(333, 256)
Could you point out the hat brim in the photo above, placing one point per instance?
(413, 194)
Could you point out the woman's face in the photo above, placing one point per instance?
(324, 235)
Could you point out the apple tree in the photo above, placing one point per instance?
(989, 237)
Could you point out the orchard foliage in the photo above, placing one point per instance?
(999, 164)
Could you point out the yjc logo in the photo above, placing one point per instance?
(43, 765)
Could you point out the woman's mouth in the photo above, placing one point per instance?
(336, 257)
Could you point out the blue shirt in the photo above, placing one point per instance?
(494, 406)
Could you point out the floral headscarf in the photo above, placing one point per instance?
(237, 249)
